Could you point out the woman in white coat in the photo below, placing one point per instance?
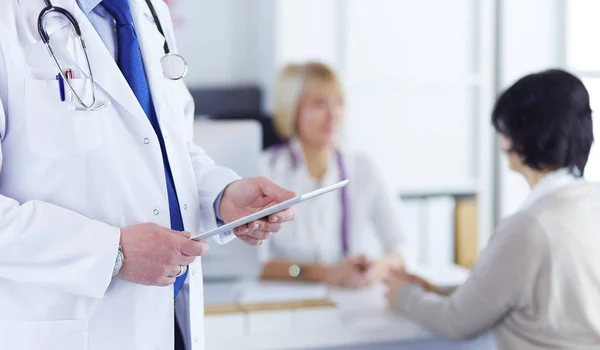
(346, 238)
(536, 284)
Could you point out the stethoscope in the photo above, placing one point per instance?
(173, 65)
(343, 192)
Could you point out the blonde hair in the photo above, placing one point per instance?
(293, 81)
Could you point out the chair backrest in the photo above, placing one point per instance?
(236, 144)
(270, 136)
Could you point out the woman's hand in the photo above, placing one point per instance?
(398, 278)
(350, 273)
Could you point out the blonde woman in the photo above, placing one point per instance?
(348, 238)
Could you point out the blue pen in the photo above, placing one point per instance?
(61, 87)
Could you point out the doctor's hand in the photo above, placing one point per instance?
(247, 196)
(153, 254)
(350, 273)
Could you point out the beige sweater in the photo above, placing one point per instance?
(537, 284)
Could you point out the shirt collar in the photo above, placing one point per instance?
(296, 148)
(297, 151)
(88, 6)
(552, 182)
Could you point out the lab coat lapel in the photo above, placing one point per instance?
(31, 11)
(106, 72)
(152, 46)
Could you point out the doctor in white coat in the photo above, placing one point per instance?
(92, 202)
(350, 239)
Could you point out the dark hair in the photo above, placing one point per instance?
(548, 119)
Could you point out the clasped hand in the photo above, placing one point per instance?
(354, 272)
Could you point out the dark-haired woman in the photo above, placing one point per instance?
(537, 284)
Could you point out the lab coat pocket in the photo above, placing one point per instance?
(55, 128)
(46, 335)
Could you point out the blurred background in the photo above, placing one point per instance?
(420, 80)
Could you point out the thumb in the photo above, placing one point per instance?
(183, 234)
(275, 192)
(400, 272)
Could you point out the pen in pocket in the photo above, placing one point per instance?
(61, 87)
(69, 75)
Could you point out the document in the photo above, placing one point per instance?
(277, 292)
(259, 292)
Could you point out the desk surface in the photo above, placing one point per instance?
(360, 317)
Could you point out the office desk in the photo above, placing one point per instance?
(356, 320)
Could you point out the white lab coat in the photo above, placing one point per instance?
(69, 180)
(373, 224)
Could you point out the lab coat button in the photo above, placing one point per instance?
(185, 207)
(193, 272)
(146, 141)
(195, 339)
(156, 212)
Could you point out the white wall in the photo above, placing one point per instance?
(233, 42)
(583, 58)
(531, 40)
(220, 41)
(243, 42)
(417, 74)
(394, 58)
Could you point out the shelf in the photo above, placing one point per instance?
(411, 82)
(458, 190)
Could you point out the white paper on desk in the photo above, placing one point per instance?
(359, 300)
(223, 292)
(273, 292)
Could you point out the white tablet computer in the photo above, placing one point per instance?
(268, 211)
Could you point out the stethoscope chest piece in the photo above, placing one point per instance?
(174, 66)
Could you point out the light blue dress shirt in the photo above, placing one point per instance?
(102, 21)
(105, 26)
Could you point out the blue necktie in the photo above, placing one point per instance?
(130, 62)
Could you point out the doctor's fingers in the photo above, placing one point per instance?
(288, 214)
(183, 234)
(165, 281)
(193, 248)
(250, 240)
(259, 235)
(182, 259)
(257, 226)
(174, 270)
